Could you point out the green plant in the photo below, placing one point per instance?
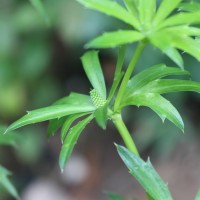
(168, 26)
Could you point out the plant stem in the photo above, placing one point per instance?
(128, 74)
(117, 119)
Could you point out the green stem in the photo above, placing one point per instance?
(117, 119)
(128, 74)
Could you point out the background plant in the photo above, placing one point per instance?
(143, 89)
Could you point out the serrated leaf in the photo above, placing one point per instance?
(5, 182)
(171, 85)
(198, 196)
(40, 8)
(71, 140)
(116, 38)
(131, 5)
(101, 116)
(165, 8)
(94, 72)
(112, 196)
(145, 174)
(192, 6)
(68, 122)
(182, 19)
(150, 74)
(113, 9)
(51, 112)
(158, 104)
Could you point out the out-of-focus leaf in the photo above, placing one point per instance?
(71, 140)
(70, 106)
(68, 122)
(145, 174)
(158, 104)
(171, 85)
(94, 72)
(112, 196)
(182, 18)
(116, 38)
(5, 182)
(198, 196)
(165, 8)
(150, 74)
(101, 116)
(147, 10)
(9, 139)
(40, 8)
(111, 8)
(192, 6)
(131, 5)
(54, 125)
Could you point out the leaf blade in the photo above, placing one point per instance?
(116, 38)
(145, 174)
(71, 140)
(92, 67)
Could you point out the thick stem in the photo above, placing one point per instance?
(117, 119)
(128, 74)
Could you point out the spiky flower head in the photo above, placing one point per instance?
(97, 99)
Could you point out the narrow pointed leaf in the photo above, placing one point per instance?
(54, 125)
(150, 74)
(71, 140)
(40, 8)
(101, 116)
(113, 9)
(116, 38)
(51, 112)
(171, 85)
(145, 174)
(112, 196)
(191, 6)
(163, 41)
(182, 18)
(131, 5)
(68, 122)
(5, 182)
(94, 72)
(158, 104)
(147, 10)
(165, 8)
(198, 196)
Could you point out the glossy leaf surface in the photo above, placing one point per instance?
(71, 140)
(145, 174)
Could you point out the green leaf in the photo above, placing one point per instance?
(113, 9)
(39, 7)
(158, 104)
(182, 19)
(165, 8)
(10, 139)
(191, 6)
(54, 125)
(74, 104)
(112, 196)
(68, 122)
(5, 182)
(71, 140)
(94, 72)
(150, 74)
(131, 5)
(171, 85)
(147, 10)
(116, 38)
(198, 196)
(145, 174)
(101, 116)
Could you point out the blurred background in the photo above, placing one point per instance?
(41, 63)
